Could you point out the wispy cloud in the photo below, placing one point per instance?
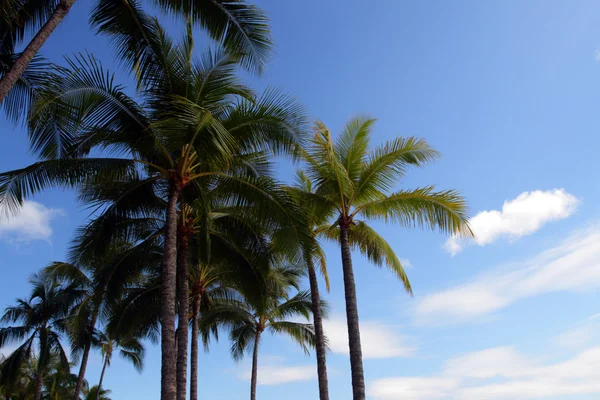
(32, 222)
(278, 374)
(378, 339)
(498, 374)
(519, 217)
(573, 265)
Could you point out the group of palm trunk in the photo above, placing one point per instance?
(190, 229)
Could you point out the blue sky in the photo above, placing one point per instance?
(509, 92)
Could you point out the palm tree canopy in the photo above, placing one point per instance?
(346, 182)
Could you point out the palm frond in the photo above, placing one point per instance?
(422, 207)
(19, 184)
(241, 27)
(303, 334)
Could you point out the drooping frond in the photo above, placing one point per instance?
(19, 184)
(299, 305)
(27, 86)
(377, 250)
(81, 107)
(303, 334)
(241, 27)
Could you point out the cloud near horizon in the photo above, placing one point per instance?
(573, 265)
(522, 216)
(32, 222)
(500, 373)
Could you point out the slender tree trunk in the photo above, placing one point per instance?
(20, 65)
(184, 310)
(356, 366)
(319, 334)
(168, 385)
(39, 381)
(194, 356)
(254, 366)
(101, 378)
(84, 358)
(39, 375)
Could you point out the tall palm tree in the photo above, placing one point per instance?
(241, 27)
(189, 108)
(353, 186)
(41, 318)
(248, 319)
(312, 252)
(130, 349)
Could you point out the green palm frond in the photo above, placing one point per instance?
(387, 164)
(351, 147)
(27, 86)
(241, 27)
(299, 305)
(303, 334)
(18, 184)
(135, 36)
(242, 339)
(80, 107)
(422, 207)
(377, 250)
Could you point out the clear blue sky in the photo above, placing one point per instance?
(509, 92)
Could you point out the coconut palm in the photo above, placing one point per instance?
(311, 253)
(130, 349)
(353, 185)
(247, 319)
(189, 108)
(102, 281)
(241, 27)
(41, 318)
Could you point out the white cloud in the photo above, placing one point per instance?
(378, 340)
(278, 374)
(574, 265)
(32, 222)
(406, 263)
(597, 55)
(519, 217)
(498, 374)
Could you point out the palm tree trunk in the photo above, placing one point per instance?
(84, 358)
(184, 310)
(356, 366)
(39, 380)
(39, 375)
(254, 367)
(168, 385)
(194, 355)
(20, 65)
(101, 378)
(319, 334)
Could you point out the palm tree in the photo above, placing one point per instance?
(189, 108)
(312, 252)
(353, 186)
(102, 280)
(130, 349)
(96, 393)
(42, 317)
(59, 383)
(247, 319)
(242, 28)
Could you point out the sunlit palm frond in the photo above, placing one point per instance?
(422, 207)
